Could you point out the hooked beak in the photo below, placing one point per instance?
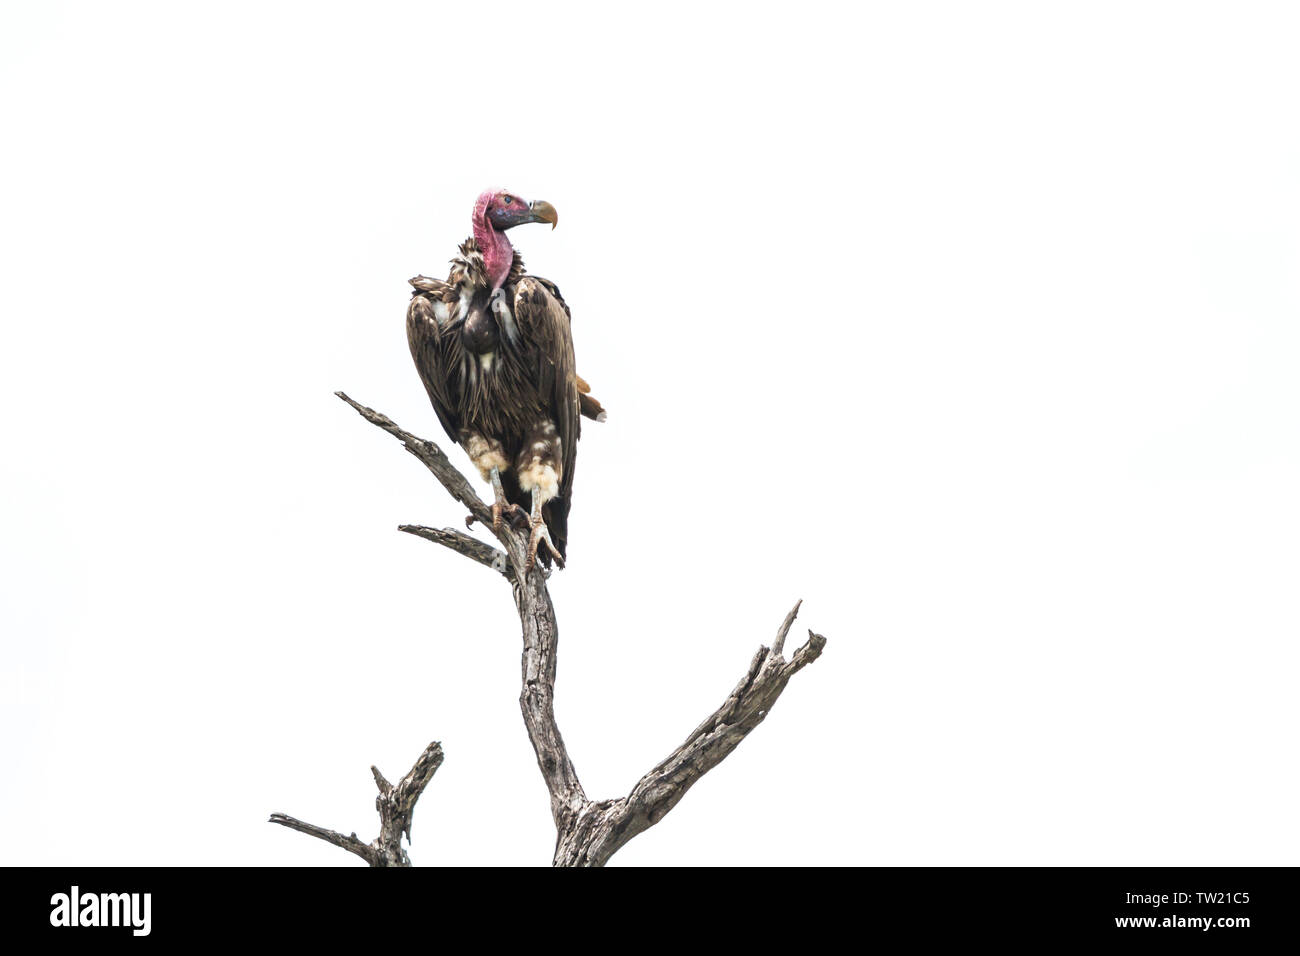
(542, 211)
(538, 211)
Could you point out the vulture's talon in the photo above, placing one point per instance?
(502, 508)
(538, 535)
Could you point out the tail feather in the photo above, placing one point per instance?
(591, 408)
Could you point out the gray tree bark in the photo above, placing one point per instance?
(396, 805)
(588, 832)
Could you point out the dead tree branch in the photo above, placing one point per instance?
(462, 543)
(396, 805)
(589, 832)
(602, 828)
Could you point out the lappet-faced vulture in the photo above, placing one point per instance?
(493, 347)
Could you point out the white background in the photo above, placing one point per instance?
(972, 325)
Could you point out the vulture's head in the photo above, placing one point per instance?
(505, 210)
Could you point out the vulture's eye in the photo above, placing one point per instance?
(506, 200)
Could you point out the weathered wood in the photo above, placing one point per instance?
(465, 544)
(396, 806)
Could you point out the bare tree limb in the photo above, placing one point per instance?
(396, 805)
(589, 832)
(349, 843)
(465, 544)
(606, 827)
(432, 457)
(537, 698)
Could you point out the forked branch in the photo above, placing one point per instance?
(396, 805)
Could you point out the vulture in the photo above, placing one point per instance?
(494, 350)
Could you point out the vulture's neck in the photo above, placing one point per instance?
(498, 254)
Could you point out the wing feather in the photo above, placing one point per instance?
(427, 325)
(543, 319)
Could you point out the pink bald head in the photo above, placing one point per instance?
(495, 211)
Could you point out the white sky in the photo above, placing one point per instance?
(1008, 291)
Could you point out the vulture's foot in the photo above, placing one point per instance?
(503, 511)
(540, 535)
(501, 508)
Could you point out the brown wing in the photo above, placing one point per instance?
(427, 318)
(543, 321)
